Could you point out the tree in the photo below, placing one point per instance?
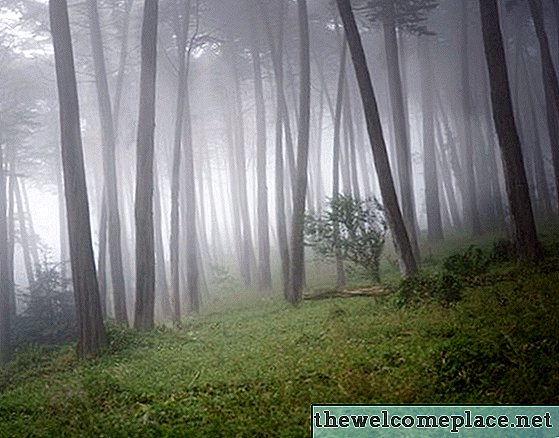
(143, 209)
(551, 85)
(91, 332)
(264, 272)
(295, 290)
(432, 204)
(524, 228)
(6, 284)
(109, 164)
(350, 228)
(181, 23)
(393, 214)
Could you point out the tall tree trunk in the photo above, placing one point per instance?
(551, 86)
(161, 273)
(32, 235)
(401, 137)
(264, 272)
(295, 292)
(62, 230)
(432, 204)
(181, 23)
(143, 209)
(109, 165)
(524, 228)
(340, 272)
(23, 237)
(6, 285)
(471, 213)
(91, 332)
(247, 250)
(378, 145)
(102, 255)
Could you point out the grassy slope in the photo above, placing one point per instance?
(256, 369)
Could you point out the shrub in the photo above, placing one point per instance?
(49, 316)
(467, 265)
(442, 287)
(503, 251)
(361, 230)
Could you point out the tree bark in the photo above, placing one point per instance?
(432, 203)
(143, 209)
(109, 165)
(91, 332)
(340, 272)
(524, 228)
(264, 273)
(393, 214)
(295, 292)
(401, 137)
(551, 86)
(6, 285)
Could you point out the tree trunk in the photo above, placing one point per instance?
(23, 237)
(6, 285)
(143, 209)
(340, 272)
(551, 86)
(524, 228)
(471, 213)
(401, 138)
(264, 272)
(109, 165)
(295, 291)
(432, 204)
(378, 145)
(181, 23)
(161, 273)
(91, 332)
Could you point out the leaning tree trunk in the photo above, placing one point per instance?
(91, 332)
(401, 136)
(524, 228)
(551, 86)
(374, 128)
(295, 291)
(109, 165)
(143, 209)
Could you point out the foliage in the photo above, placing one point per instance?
(444, 287)
(49, 315)
(467, 265)
(410, 15)
(361, 230)
(503, 251)
(220, 373)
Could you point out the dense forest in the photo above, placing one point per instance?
(216, 171)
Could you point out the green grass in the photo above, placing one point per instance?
(255, 368)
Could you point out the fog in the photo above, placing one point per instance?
(430, 78)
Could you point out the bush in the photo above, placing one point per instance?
(467, 265)
(353, 228)
(442, 287)
(49, 316)
(503, 251)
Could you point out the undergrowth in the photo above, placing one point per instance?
(255, 370)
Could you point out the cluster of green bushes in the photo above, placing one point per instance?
(458, 271)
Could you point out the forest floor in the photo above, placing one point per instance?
(255, 369)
